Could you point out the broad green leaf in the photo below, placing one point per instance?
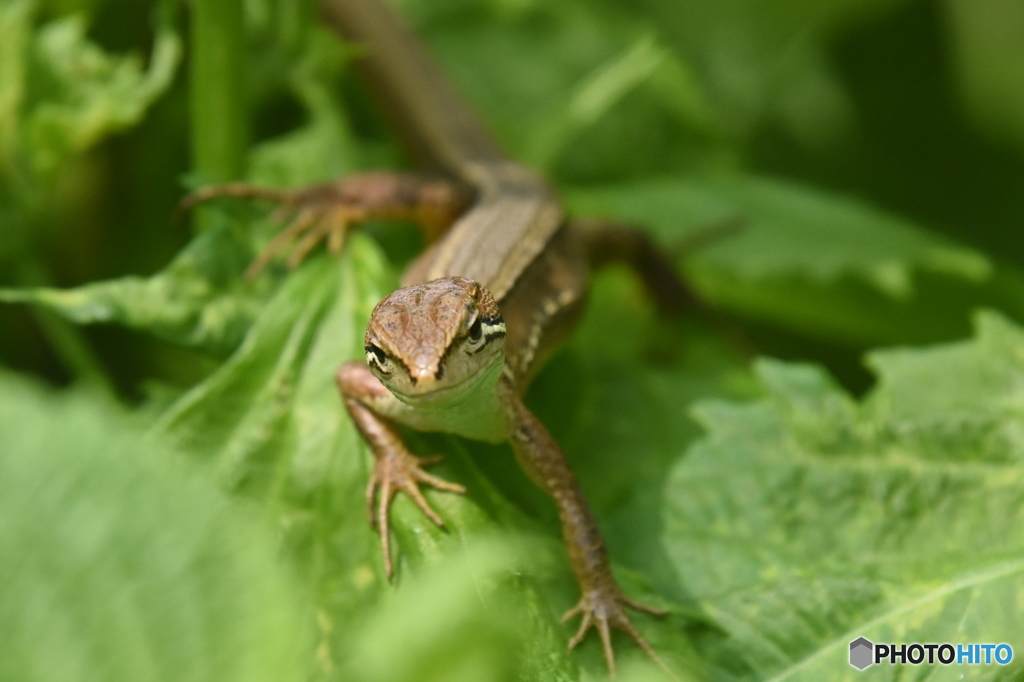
(118, 562)
(808, 518)
(199, 300)
(814, 262)
(463, 620)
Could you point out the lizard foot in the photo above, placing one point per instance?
(401, 471)
(315, 213)
(605, 608)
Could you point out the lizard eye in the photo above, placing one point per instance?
(375, 357)
(482, 331)
(476, 331)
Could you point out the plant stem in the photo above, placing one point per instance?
(217, 94)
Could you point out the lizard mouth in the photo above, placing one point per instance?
(437, 390)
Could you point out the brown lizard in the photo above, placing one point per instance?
(501, 284)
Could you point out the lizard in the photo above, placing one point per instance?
(500, 285)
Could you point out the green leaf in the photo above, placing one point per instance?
(814, 262)
(119, 563)
(199, 300)
(82, 94)
(67, 92)
(808, 518)
(61, 94)
(462, 620)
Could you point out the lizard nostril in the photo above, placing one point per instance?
(422, 372)
(425, 365)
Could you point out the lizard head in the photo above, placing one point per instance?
(436, 339)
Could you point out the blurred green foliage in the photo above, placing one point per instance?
(119, 565)
(870, 155)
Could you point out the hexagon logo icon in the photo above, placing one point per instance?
(860, 653)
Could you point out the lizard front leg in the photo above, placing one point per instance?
(602, 604)
(395, 468)
(327, 211)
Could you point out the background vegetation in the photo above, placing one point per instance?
(181, 494)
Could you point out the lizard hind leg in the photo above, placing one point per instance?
(606, 242)
(604, 612)
(602, 603)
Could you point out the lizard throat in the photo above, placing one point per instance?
(445, 393)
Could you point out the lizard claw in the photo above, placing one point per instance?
(310, 225)
(604, 609)
(395, 472)
(320, 212)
